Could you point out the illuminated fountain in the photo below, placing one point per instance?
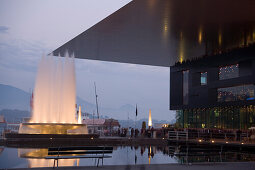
(53, 108)
(150, 121)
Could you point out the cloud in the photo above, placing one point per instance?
(18, 61)
(19, 54)
(3, 29)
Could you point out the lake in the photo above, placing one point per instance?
(122, 155)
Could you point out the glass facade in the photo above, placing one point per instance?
(224, 118)
(236, 93)
(203, 78)
(228, 72)
(185, 86)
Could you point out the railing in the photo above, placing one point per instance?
(207, 135)
(177, 135)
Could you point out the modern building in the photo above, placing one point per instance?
(208, 46)
(215, 91)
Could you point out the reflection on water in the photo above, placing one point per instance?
(188, 154)
(32, 163)
(28, 157)
(1, 150)
(36, 158)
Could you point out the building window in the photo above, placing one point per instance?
(228, 72)
(219, 117)
(203, 78)
(185, 87)
(236, 93)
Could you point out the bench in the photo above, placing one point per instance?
(75, 152)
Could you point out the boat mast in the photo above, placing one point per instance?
(96, 99)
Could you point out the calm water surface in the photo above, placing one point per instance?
(31, 157)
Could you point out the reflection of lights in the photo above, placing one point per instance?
(249, 40)
(36, 158)
(165, 28)
(242, 43)
(149, 155)
(226, 142)
(181, 48)
(166, 19)
(48, 163)
(200, 32)
(181, 59)
(220, 38)
(151, 3)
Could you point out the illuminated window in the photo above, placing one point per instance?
(236, 93)
(203, 78)
(228, 72)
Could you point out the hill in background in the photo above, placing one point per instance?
(15, 104)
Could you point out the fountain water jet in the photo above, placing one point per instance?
(54, 99)
(54, 95)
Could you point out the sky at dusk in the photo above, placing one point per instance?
(32, 28)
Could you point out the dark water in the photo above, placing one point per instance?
(22, 158)
(30, 157)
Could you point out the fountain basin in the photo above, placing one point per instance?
(52, 128)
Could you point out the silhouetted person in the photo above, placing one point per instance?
(119, 132)
(132, 132)
(142, 151)
(136, 132)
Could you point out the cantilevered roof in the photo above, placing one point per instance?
(163, 32)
